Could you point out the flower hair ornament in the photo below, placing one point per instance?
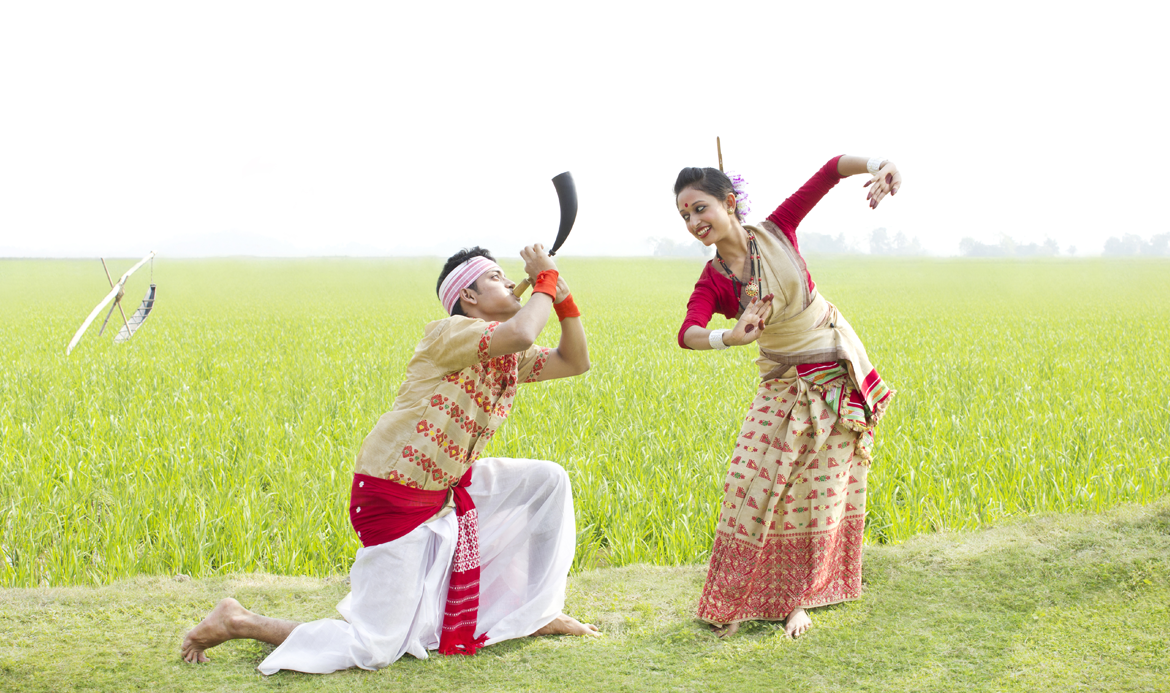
(738, 185)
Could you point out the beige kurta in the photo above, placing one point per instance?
(454, 398)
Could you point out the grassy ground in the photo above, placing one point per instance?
(1056, 602)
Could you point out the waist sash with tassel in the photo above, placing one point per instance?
(382, 511)
(820, 334)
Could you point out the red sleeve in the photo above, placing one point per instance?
(793, 210)
(713, 293)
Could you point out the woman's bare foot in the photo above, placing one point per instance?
(567, 625)
(797, 623)
(213, 630)
(725, 631)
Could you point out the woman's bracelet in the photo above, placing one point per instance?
(715, 339)
(875, 164)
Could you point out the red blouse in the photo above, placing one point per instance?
(714, 292)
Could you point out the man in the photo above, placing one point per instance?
(458, 552)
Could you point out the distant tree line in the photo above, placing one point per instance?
(1132, 244)
(824, 244)
(880, 243)
(1007, 247)
(668, 247)
(1127, 245)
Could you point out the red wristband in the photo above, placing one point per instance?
(546, 283)
(567, 308)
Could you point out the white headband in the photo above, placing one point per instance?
(462, 277)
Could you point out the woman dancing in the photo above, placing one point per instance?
(790, 529)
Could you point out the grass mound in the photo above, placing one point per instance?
(1058, 602)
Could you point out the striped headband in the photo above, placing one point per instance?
(462, 277)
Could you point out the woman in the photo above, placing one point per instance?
(790, 529)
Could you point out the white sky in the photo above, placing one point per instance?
(415, 128)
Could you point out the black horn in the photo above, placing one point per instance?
(567, 194)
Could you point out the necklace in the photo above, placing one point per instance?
(753, 285)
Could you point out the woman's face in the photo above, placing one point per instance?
(707, 219)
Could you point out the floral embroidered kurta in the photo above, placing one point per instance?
(454, 398)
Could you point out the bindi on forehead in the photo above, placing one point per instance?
(686, 204)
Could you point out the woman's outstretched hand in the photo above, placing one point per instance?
(887, 182)
(751, 323)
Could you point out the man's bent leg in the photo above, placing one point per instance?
(398, 592)
(527, 537)
(230, 621)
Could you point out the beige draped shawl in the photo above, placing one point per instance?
(804, 328)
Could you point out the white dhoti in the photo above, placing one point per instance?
(527, 536)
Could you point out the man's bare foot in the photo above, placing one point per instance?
(797, 623)
(567, 625)
(725, 631)
(211, 631)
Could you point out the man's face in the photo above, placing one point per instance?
(492, 293)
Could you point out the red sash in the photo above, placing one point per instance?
(382, 511)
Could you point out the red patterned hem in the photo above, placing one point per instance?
(748, 582)
(816, 605)
(830, 602)
(764, 617)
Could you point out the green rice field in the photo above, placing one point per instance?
(221, 438)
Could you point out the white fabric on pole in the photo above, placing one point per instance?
(527, 536)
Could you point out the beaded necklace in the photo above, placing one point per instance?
(753, 285)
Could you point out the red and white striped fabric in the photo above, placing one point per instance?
(462, 277)
(383, 511)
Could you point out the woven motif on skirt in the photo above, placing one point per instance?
(793, 513)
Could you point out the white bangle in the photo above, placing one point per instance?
(715, 339)
(875, 164)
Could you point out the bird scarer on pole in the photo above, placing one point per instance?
(117, 291)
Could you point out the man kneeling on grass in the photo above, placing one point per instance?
(457, 552)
